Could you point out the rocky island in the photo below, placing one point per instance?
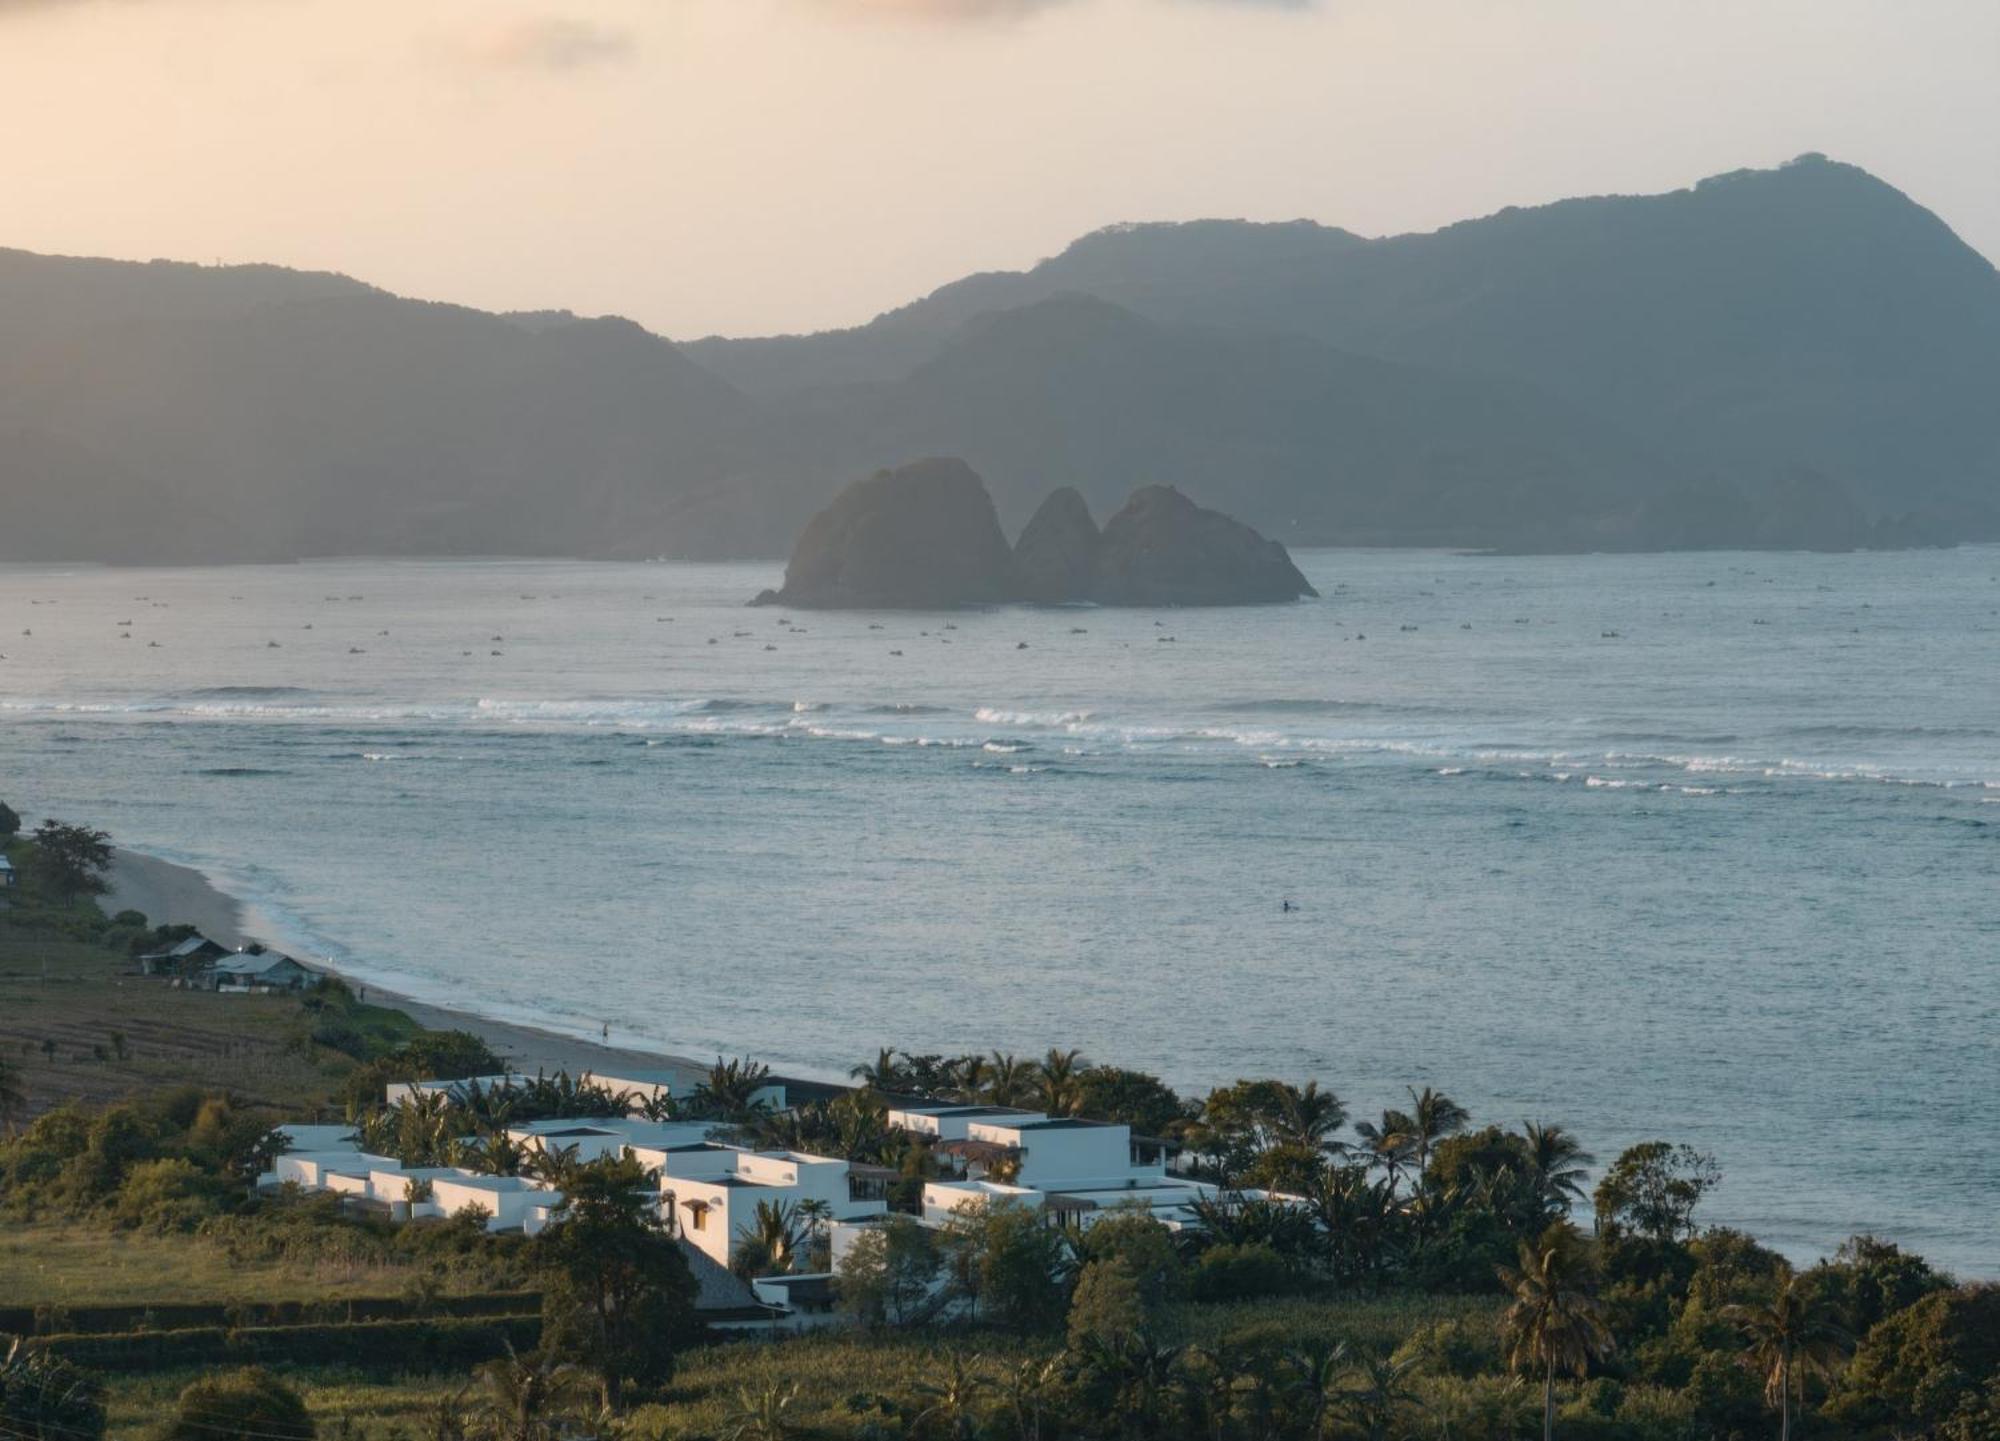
(926, 536)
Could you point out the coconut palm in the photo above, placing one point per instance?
(1433, 1116)
(885, 1073)
(1057, 1080)
(1557, 1161)
(967, 1077)
(1390, 1142)
(1788, 1340)
(525, 1395)
(1554, 1323)
(1009, 1080)
(1308, 1118)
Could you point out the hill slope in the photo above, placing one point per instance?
(1800, 356)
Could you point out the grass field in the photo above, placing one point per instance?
(830, 1368)
(78, 1263)
(79, 1023)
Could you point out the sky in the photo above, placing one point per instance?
(757, 166)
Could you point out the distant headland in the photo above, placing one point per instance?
(926, 536)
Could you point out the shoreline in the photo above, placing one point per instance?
(172, 894)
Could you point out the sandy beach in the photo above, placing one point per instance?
(168, 894)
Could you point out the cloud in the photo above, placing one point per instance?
(943, 9)
(948, 10)
(547, 42)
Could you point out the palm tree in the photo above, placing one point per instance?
(952, 1401)
(1376, 1394)
(1433, 1116)
(1313, 1379)
(763, 1414)
(1390, 1142)
(1010, 1080)
(1557, 1161)
(1554, 1323)
(968, 1077)
(1790, 1338)
(48, 1398)
(525, 1394)
(816, 1215)
(495, 1155)
(728, 1092)
(1030, 1387)
(1057, 1080)
(885, 1074)
(557, 1165)
(13, 1096)
(1307, 1118)
(765, 1246)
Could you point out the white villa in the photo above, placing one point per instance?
(596, 1137)
(710, 1192)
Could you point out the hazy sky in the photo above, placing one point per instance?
(743, 166)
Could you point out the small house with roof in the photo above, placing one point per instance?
(259, 971)
(189, 957)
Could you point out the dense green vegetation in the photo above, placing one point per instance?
(1409, 1274)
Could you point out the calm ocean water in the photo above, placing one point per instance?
(1696, 847)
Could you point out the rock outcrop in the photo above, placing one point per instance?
(1055, 560)
(1163, 549)
(926, 537)
(921, 537)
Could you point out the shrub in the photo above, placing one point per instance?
(170, 1195)
(251, 1404)
(1233, 1273)
(1107, 1306)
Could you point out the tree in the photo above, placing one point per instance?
(617, 1294)
(763, 1414)
(885, 1073)
(1792, 1336)
(10, 823)
(765, 1246)
(1557, 1161)
(1009, 1080)
(888, 1275)
(951, 1403)
(72, 859)
(1653, 1189)
(1554, 1323)
(1058, 1081)
(1376, 1393)
(251, 1404)
(729, 1091)
(1107, 1304)
(45, 1398)
(816, 1216)
(1008, 1256)
(525, 1395)
(1433, 1116)
(1132, 1098)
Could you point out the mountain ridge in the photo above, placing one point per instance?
(1790, 357)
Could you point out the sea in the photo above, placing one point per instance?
(1700, 847)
